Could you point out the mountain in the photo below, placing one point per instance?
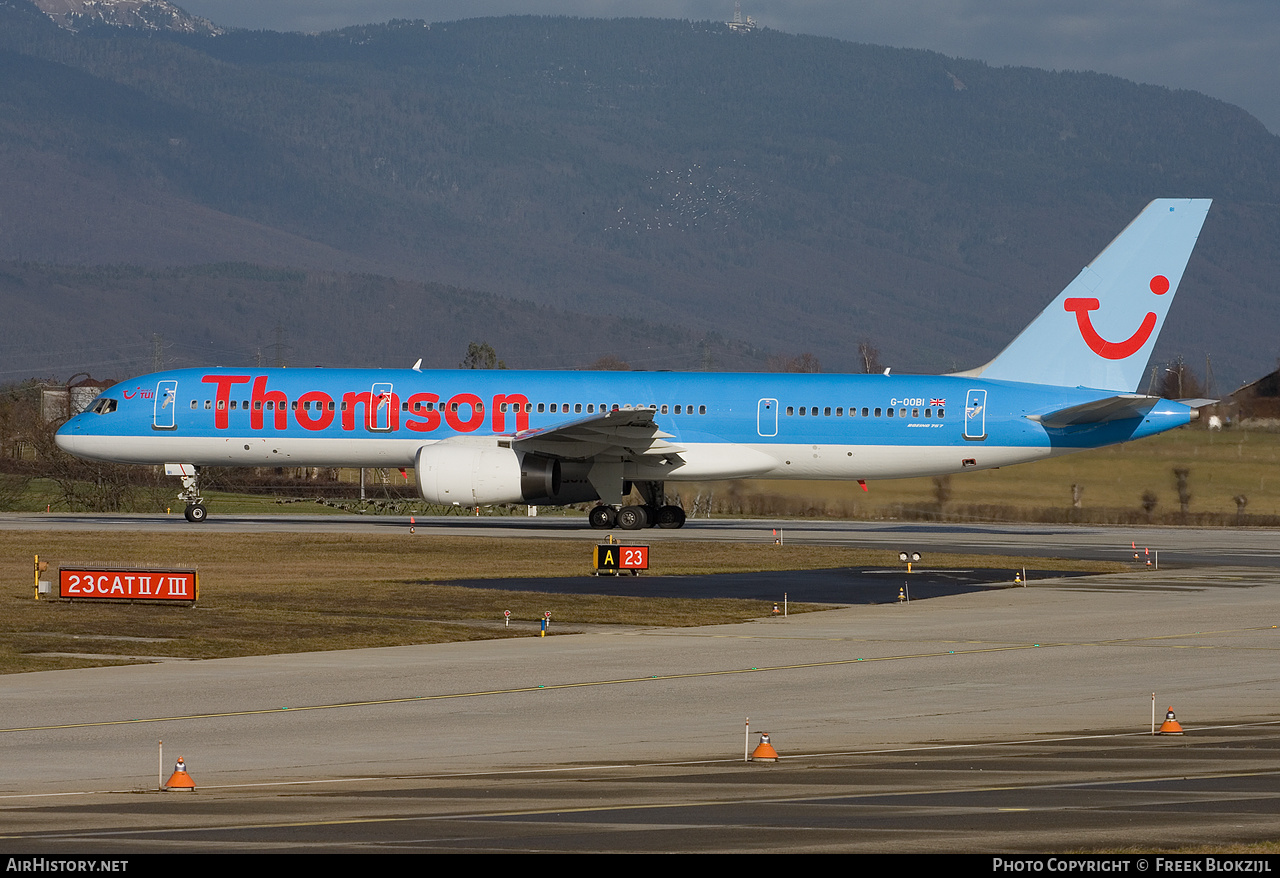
(153, 15)
(251, 315)
(796, 193)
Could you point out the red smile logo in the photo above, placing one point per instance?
(1115, 350)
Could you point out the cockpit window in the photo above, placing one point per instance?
(104, 407)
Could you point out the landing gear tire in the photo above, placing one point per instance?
(671, 517)
(196, 513)
(602, 517)
(632, 518)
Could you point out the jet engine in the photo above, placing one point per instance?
(470, 473)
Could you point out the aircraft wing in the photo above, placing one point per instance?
(627, 433)
(1099, 411)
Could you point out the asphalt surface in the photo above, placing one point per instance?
(1171, 546)
(841, 585)
(1000, 719)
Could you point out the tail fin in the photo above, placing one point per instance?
(1100, 330)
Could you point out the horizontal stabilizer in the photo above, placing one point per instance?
(1100, 411)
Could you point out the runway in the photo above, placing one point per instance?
(1008, 720)
(1175, 546)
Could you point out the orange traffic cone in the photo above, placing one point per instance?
(764, 752)
(180, 780)
(1170, 725)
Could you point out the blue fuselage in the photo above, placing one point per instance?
(765, 425)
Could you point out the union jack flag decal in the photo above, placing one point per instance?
(937, 402)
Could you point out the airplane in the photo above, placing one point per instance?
(480, 437)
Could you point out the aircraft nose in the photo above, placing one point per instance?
(67, 437)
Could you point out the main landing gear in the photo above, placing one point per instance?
(655, 512)
(190, 493)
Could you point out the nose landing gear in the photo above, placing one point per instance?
(190, 493)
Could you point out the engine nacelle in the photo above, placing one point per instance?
(470, 473)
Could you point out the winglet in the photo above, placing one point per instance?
(1100, 330)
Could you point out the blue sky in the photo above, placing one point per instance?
(1229, 49)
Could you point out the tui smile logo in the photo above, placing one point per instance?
(1115, 350)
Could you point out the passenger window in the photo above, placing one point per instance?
(207, 405)
(702, 409)
(915, 413)
(193, 405)
(878, 412)
(541, 408)
(941, 413)
(826, 412)
(890, 413)
(839, 411)
(577, 408)
(790, 411)
(864, 412)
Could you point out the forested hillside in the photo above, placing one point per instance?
(254, 315)
(794, 193)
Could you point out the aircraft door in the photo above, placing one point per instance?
(165, 405)
(767, 417)
(380, 402)
(975, 415)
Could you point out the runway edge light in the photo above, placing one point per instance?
(764, 751)
(1170, 726)
(180, 780)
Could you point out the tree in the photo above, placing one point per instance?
(1180, 382)
(806, 362)
(610, 363)
(869, 358)
(481, 356)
